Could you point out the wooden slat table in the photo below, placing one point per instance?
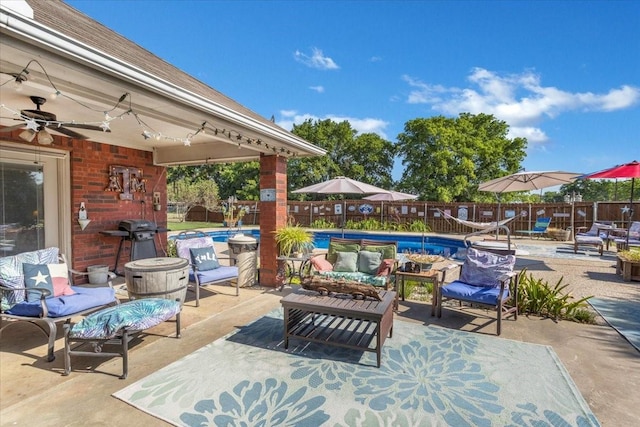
(339, 320)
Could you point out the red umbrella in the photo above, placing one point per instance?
(627, 170)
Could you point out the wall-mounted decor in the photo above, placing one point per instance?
(126, 180)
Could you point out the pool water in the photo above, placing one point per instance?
(406, 243)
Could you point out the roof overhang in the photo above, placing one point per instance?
(185, 127)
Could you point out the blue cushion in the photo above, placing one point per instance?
(467, 292)
(136, 315)
(219, 274)
(37, 276)
(204, 258)
(83, 299)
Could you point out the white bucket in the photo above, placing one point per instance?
(98, 274)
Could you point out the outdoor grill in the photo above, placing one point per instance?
(141, 234)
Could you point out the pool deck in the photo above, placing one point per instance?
(604, 366)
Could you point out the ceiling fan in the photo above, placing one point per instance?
(47, 120)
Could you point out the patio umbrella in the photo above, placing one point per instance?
(527, 181)
(342, 185)
(627, 170)
(391, 196)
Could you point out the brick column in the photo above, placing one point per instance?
(273, 215)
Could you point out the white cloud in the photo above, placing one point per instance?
(319, 89)
(316, 60)
(365, 125)
(375, 59)
(519, 99)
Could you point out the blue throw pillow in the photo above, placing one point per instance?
(37, 276)
(204, 258)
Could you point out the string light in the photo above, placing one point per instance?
(36, 126)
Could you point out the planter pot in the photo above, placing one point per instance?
(560, 235)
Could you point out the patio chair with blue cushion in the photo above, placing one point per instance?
(539, 228)
(486, 279)
(595, 236)
(634, 236)
(205, 268)
(37, 287)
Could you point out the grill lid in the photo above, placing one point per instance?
(132, 225)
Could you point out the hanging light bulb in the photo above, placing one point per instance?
(28, 135)
(44, 137)
(54, 95)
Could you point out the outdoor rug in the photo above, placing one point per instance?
(429, 376)
(622, 315)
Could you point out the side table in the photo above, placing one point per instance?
(422, 277)
(287, 268)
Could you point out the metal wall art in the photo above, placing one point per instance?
(126, 181)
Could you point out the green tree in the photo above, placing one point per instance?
(233, 179)
(366, 157)
(187, 193)
(445, 159)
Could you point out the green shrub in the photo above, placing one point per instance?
(322, 223)
(172, 251)
(418, 226)
(536, 296)
(417, 291)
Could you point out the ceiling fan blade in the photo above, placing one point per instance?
(11, 128)
(68, 132)
(88, 127)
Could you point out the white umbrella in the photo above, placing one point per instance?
(391, 196)
(527, 181)
(342, 185)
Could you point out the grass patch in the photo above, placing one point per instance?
(189, 225)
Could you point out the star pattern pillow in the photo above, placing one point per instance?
(37, 276)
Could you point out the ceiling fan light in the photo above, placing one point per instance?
(27, 135)
(44, 137)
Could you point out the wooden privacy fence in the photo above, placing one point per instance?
(306, 213)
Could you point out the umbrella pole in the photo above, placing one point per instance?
(344, 215)
(630, 211)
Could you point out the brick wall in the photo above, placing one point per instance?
(90, 162)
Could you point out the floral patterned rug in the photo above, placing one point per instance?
(429, 376)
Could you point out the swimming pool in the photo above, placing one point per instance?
(406, 243)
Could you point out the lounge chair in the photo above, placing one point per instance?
(539, 228)
(37, 287)
(596, 236)
(486, 279)
(205, 269)
(634, 236)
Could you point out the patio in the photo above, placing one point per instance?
(602, 364)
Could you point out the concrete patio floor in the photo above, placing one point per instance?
(604, 366)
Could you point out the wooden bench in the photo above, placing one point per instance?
(389, 250)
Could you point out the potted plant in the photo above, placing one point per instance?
(293, 240)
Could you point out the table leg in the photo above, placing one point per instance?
(434, 297)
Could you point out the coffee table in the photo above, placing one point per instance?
(339, 320)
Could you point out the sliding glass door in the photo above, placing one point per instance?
(31, 189)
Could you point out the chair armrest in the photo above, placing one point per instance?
(44, 293)
(444, 270)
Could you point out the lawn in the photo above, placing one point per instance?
(191, 225)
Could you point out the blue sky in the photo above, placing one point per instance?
(563, 74)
